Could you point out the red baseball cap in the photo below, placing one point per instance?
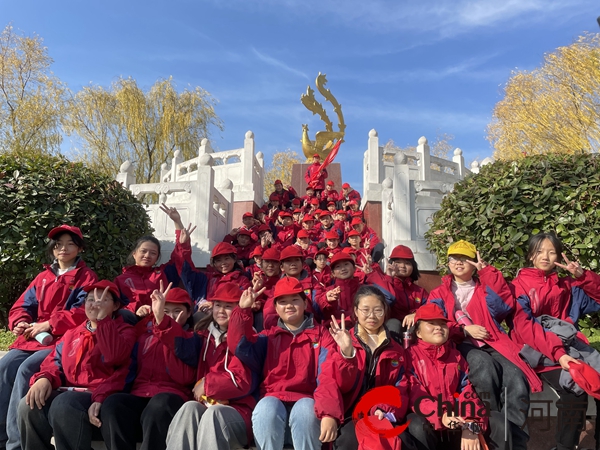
(324, 213)
(62, 229)
(287, 286)
(345, 186)
(302, 234)
(296, 201)
(340, 257)
(297, 211)
(256, 252)
(307, 218)
(223, 248)
(353, 233)
(277, 182)
(291, 252)
(178, 295)
(340, 211)
(430, 311)
(356, 214)
(271, 254)
(112, 288)
(264, 227)
(331, 183)
(322, 251)
(352, 202)
(331, 204)
(316, 155)
(285, 214)
(248, 214)
(226, 292)
(586, 377)
(245, 233)
(332, 235)
(314, 201)
(402, 252)
(356, 221)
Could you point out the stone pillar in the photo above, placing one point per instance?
(126, 176)
(460, 161)
(425, 163)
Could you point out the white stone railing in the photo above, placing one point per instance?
(203, 189)
(410, 188)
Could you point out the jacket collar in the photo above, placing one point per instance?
(433, 351)
(361, 333)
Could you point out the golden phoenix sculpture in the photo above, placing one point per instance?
(324, 140)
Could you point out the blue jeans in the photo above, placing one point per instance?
(16, 369)
(276, 424)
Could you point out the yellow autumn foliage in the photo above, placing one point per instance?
(281, 169)
(124, 123)
(555, 108)
(32, 100)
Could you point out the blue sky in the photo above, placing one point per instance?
(406, 68)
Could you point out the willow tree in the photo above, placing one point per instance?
(281, 169)
(32, 99)
(555, 108)
(124, 123)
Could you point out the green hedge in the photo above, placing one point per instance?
(507, 202)
(40, 192)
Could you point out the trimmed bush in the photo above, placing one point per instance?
(40, 192)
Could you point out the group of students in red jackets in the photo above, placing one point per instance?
(286, 348)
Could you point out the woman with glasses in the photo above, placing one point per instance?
(477, 299)
(371, 358)
(43, 313)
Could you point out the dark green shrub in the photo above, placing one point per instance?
(507, 202)
(40, 192)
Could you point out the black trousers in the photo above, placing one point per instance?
(571, 412)
(127, 419)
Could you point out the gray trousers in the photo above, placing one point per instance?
(218, 427)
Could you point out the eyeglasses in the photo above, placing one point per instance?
(455, 259)
(59, 246)
(376, 312)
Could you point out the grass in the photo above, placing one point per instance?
(6, 339)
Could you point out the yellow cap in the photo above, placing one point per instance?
(463, 248)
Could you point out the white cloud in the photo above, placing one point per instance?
(277, 63)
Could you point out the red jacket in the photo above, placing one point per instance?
(389, 365)
(225, 377)
(58, 299)
(286, 236)
(292, 367)
(492, 302)
(96, 360)
(368, 233)
(136, 283)
(285, 197)
(322, 279)
(352, 195)
(441, 370)
(565, 298)
(319, 182)
(309, 252)
(409, 296)
(158, 369)
(329, 196)
(345, 303)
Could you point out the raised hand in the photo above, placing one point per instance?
(366, 268)
(158, 302)
(173, 215)
(572, 266)
(185, 234)
(249, 297)
(480, 264)
(102, 305)
(341, 336)
(333, 295)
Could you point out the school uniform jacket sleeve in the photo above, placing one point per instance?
(179, 371)
(74, 311)
(51, 368)
(115, 339)
(230, 383)
(249, 347)
(185, 345)
(328, 398)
